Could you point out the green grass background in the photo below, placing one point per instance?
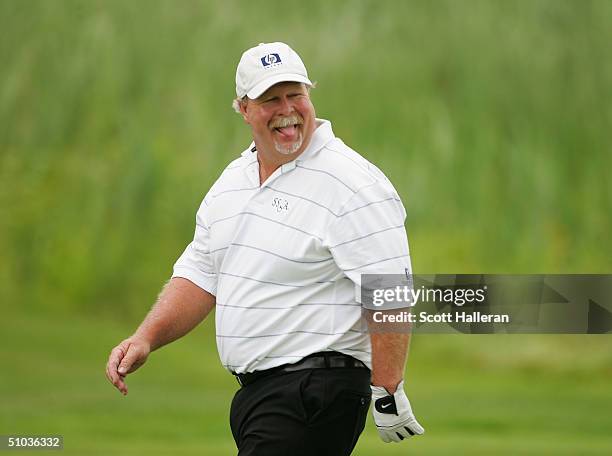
(492, 119)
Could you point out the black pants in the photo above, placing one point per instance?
(315, 412)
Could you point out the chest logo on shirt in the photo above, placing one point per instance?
(280, 204)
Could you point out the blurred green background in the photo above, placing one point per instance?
(492, 118)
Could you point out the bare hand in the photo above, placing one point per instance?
(124, 359)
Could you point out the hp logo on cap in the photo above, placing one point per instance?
(270, 59)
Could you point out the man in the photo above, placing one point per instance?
(281, 241)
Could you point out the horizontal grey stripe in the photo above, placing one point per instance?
(229, 217)
(199, 271)
(303, 198)
(367, 235)
(301, 356)
(261, 281)
(280, 256)
(327, 208)
(298, 165)
(376, 262)
(315, 333)
(234, 190)
(282, 284)
(371, 184)
(369, 204)
(305, 355)
(218, 250)
(290, 307)
(269, 220)
(352, 350)
(332, 281)
(234, 366)
(286, 356)
(344, 155)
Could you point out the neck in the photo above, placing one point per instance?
(268, 163)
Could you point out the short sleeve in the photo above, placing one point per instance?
(368, 235)
(196, 264)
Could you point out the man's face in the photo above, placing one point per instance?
(282, 119)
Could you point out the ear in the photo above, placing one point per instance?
(244, 107)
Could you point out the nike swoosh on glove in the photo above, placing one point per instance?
(393, 415)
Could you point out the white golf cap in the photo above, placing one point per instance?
(265, 65)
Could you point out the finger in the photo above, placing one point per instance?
(409, 431)
(118, 382)
(111, 373)
(108, 374)
(113, 361)
(128, 361)
(404, 433)
(400, 433)
(121, 386)
(116, 355)
(415, 427)
(384, 436)
(111, 369)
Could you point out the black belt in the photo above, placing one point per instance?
(322, 360)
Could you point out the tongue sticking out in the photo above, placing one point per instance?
(287, 132)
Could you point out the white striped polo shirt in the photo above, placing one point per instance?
(284, 258)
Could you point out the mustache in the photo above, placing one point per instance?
(294, 119)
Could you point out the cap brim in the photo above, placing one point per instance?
(264, 85)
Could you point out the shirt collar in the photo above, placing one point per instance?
(321, 136)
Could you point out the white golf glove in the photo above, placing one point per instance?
(393, 415)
